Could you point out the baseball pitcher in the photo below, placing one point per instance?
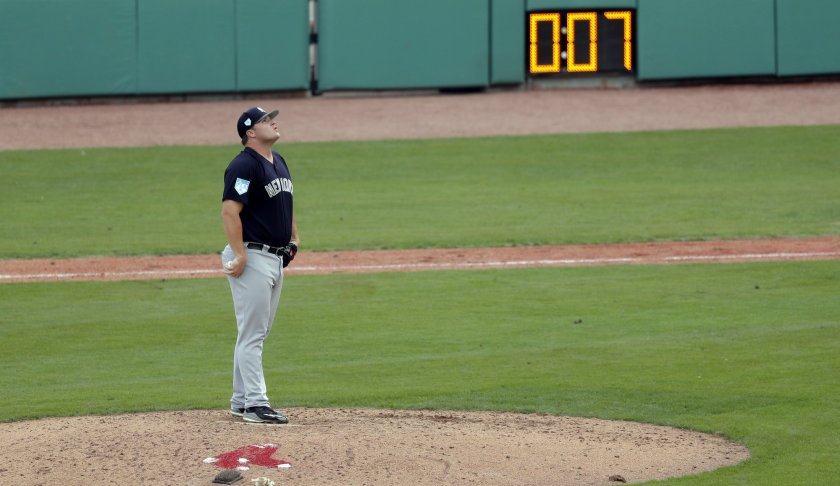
(259, 223)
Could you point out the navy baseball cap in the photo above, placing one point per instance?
(251, 117)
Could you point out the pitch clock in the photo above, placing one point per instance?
(574, 42)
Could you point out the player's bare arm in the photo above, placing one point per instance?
(233, 231)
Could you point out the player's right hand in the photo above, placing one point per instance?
(235, 267)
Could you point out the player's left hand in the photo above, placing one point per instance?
(289, 252)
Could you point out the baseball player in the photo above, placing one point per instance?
(259, 223)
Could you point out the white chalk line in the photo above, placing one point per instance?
(82, 275)
(460, 265)
(349, 268)
(756, 256)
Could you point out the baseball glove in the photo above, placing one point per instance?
(289, 252)
(228, 476)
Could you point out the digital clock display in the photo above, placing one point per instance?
(580, 41)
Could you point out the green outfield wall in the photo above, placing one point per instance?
(703, 39)
(272, 45)
(180, 49)
(392, 44)
(68, 48)
(79, 48)
(808, 37)
(580, 4)
(507, 41)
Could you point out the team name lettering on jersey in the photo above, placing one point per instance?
(278, 185)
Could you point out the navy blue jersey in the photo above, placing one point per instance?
(266, 191)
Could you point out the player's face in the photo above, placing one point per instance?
(267, 131)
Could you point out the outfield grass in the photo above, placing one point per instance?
(747, 350)
(557, 189)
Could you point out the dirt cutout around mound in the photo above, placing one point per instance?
(355, 447)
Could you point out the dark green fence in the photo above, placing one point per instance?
(507, 46)
(388, 44)
(76, 48)
(68, 48)
(808, 37)
(705, 38)
(580, 4)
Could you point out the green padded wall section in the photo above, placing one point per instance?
(507, 41)
(272, 45)
(66, 48)
(808, 37)
(403, 44)
(186, 46)
(705, 38)
(579, 4)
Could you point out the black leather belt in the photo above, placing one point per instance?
(268, 249)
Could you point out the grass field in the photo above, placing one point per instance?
(706, 184)
(696, 346)
(746, 350)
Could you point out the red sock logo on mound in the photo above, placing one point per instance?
(258, 454)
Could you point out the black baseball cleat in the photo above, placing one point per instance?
(237, 412)
(264, 415)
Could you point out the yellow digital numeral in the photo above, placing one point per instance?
(628, 34)
(554, 18)
(592, 18)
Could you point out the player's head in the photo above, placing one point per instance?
(250, 118)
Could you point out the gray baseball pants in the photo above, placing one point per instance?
(256, 295)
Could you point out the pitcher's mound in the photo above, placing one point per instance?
(349, 446)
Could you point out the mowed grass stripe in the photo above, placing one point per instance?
(557, 189)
